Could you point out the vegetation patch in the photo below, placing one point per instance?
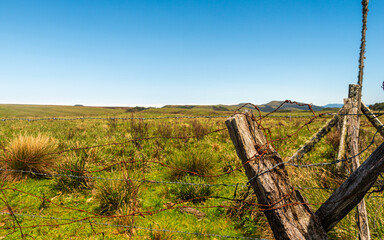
(192, 162)
(196, 191)
(115, 196)
(72, 175)
(29, 156)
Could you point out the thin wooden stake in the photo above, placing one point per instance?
(343, 135)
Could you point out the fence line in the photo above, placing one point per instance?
(108, 118)
(134, 227)
(153, 181)
(188, 137)
(127, 179)
(308, 165)
(378, 114)
(122, 179)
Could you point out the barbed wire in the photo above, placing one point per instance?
(126, 142)
(237, 185)
(279, 204)
(178, 117)
(149, 138)
(121, 179)
(134, 227)
(107, 118)
(309, 165)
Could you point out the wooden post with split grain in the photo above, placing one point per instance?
(353, 152)
(353, 132)
(288, 213)
(341, 154)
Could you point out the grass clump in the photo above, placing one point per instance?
(27, 154)
(196, 193)
(192, 162)
(115, 196)
(72, 175)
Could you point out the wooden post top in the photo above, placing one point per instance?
(354, 91)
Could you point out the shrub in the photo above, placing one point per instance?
(74, 166)
(139, 130)
(191, 162)
(196, 193)
(115, 196)
(26, 154)
(164, 129)
(199, 129)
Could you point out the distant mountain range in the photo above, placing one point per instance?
(268, 107)
(333, 105)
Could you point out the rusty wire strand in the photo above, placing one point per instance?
(129, 226)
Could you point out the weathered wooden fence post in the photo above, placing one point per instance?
(341, 154)
(287, 211)
(353, 149)
(355, 95)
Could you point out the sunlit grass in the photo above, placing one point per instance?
(213, 154)
(25, 154)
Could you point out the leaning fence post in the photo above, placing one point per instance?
(308, 145)
(352, 191)
(288, 213)
(373, 119)
(343, 135)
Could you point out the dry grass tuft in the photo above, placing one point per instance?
(27, 154)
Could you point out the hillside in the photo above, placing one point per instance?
(24, 110)
(377, 106)
(268, 107)
(271, 106)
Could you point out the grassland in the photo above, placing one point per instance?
(156, 150)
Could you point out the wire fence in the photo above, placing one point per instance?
(145, 159)
(378, 114)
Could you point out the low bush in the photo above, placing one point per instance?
(199, 129)
(28, 156)
(139, 130)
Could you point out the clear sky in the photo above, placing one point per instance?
(157, 52)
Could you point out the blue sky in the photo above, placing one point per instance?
(158, 52)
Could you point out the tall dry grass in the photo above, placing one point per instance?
(26, 154)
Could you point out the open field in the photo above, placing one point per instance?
(122, 177)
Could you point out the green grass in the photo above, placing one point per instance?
(21, 110)
(213, 154)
